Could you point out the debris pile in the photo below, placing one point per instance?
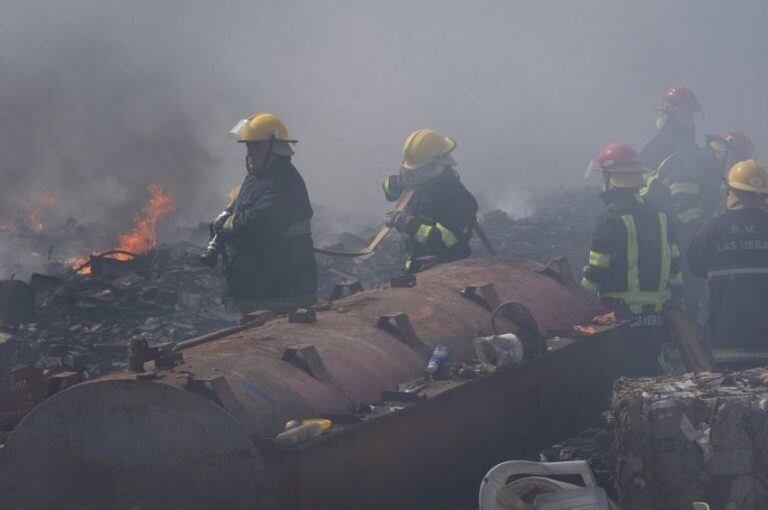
(84, 321)
(694, 438)
(561, 225)
(593, 444)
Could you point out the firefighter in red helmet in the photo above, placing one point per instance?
(681, 176)
(634, 262)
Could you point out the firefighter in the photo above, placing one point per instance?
(681, 175)
(271, 263)
(634, 262)
(441, 214)
(725, 149)
(676, 126)
(731, 252)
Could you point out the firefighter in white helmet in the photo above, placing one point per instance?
(439, 218)
(271, 263)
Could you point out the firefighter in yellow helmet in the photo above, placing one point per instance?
(271, 263)
(731, 252)
(440, 216)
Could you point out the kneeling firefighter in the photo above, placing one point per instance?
(634, 262)
(441, 214)
(731, 252)
(266, 229)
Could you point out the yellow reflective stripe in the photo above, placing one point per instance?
(598, 259)
(633, 271)
(633, 254)
(422, 235)
(589, 285)
(636, 301)
(689, 215)
(299, 228)
(650, 177)
(666, 254)
(676, 279)
(677, 188)
(449, 238)
(640, 298)
(388, 191)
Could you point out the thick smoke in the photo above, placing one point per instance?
(92, 128)
(98, 98)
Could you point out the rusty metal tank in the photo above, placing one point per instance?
(199, 435)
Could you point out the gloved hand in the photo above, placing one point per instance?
(399, 220)
(229, 225)
(218, 223)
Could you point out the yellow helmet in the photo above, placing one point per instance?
(748, 176)
(425, 146)
(262, 127)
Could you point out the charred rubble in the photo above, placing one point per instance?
(81, 322)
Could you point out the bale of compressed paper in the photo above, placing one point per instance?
(692, 438)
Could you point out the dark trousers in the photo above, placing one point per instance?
(642, 346)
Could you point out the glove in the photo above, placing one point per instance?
(399, 220)
(229, 224)
(218, 223)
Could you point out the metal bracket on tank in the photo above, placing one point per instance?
(559, 269)
(484, 295)
(306, 358)
(399, 325)
(351, 286)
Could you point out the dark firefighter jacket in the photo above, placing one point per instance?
(443, 213)
(633, 258)
(684, 179)
(271, 259)
(731, 251)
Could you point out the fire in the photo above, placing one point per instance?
(33, 211)
(143, 236)
(35, 218)
(7, 225)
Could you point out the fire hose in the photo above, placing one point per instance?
(105, 254)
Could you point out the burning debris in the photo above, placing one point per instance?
(28, 217)
(84, 322)
(143, 236)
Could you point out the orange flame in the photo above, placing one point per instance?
(35, 218)
(143, 236)
(7, 225)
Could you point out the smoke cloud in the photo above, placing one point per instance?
(97, 99)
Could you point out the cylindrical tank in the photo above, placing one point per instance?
(187, 437)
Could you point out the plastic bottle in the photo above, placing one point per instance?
(300, 434)
(440, 355)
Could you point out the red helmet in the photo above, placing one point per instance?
(619, 157)
(678, 97)
(743, 148)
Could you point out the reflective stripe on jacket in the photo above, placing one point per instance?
(633, 255)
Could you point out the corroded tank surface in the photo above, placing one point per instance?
(178, 438)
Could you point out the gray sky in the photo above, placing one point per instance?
(98, 97)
